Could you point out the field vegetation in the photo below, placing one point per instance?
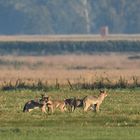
(119, 117)
(26, 77)
(108, 68)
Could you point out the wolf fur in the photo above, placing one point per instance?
(93, 101)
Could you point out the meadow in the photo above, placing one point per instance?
(118, 119)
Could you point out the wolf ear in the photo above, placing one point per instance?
(48, 97)
(42, 96)
(102, 91)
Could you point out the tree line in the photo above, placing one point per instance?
(65, 47)
(68, 17)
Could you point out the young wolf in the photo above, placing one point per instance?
(53, 104)
(93, 101)
(73, 103)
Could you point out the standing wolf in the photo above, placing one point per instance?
(73, 103)
(53, 104)
(93, 101)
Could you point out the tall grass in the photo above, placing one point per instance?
(82, 83)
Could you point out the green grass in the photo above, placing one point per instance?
(119, 118)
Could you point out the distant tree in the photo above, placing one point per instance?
(68, 16)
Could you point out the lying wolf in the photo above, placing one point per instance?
(35, 104)
(31, 105)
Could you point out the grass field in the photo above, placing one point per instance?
(119, 118)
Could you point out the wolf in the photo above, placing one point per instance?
(53, 104)
(73, 103)
(93, 101)
(35, 104)
(32, 104)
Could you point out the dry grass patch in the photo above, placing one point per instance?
(72, 67)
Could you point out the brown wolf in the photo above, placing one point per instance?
(93, 101)
(53, 104)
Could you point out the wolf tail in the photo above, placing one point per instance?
(25, 108)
